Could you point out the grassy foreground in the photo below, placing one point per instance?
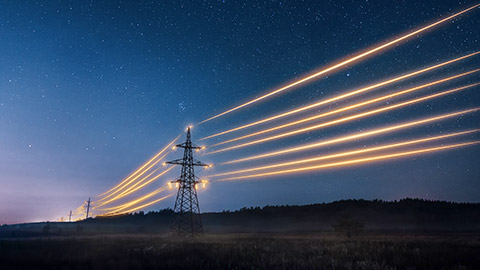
(323, 251)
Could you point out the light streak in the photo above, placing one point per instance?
(133, 202)
(354, 136)
(134, 188)
(139, 169)
(341, 120)
(348, 153)
(342, 96)
(77, 211)
(133, 179)
(343, 63)
(354, 161)
(141, 206)
(106, 199)
(345, 108)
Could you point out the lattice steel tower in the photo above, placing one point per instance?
(188, 221)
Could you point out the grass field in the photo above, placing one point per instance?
(323, 251)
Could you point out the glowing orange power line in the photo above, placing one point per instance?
(133, 202)
(350, 107)
(352, 137)
(134, 188)
(344, 63)
(77, 211)
(141, 168)
(131, 182)
(354, 161)
(342, 96)
(347, 153)
(141, 206)
(341, 120)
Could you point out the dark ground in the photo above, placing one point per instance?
(407, 234)
(247, 251)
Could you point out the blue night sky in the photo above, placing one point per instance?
(89, 90)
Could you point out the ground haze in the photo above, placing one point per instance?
(352, 234)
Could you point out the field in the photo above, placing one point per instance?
(243, 251)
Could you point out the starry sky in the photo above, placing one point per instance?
(91, 89)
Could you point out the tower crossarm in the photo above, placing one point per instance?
(176, 162)
(181, 162)
(192, 146)
(199, 163)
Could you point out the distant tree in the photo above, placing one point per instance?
(348, 226)
(46, 229)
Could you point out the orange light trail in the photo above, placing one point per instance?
(348, 153)
(342, 96)
(121, 184)
(355, 161)
(133, 179)
(77, 211)
(352, 137)
(133, 202)
(134, 188)
(343, 63)
(140, 207)
(345, 108)
(342, 120)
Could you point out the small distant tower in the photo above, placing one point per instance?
(188, 221)
(70, 216)
(88, 208)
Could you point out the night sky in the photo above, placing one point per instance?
(89, 90)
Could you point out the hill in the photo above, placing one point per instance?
(407, 215)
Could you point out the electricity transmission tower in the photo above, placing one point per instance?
(187, 221)
(88, 208)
